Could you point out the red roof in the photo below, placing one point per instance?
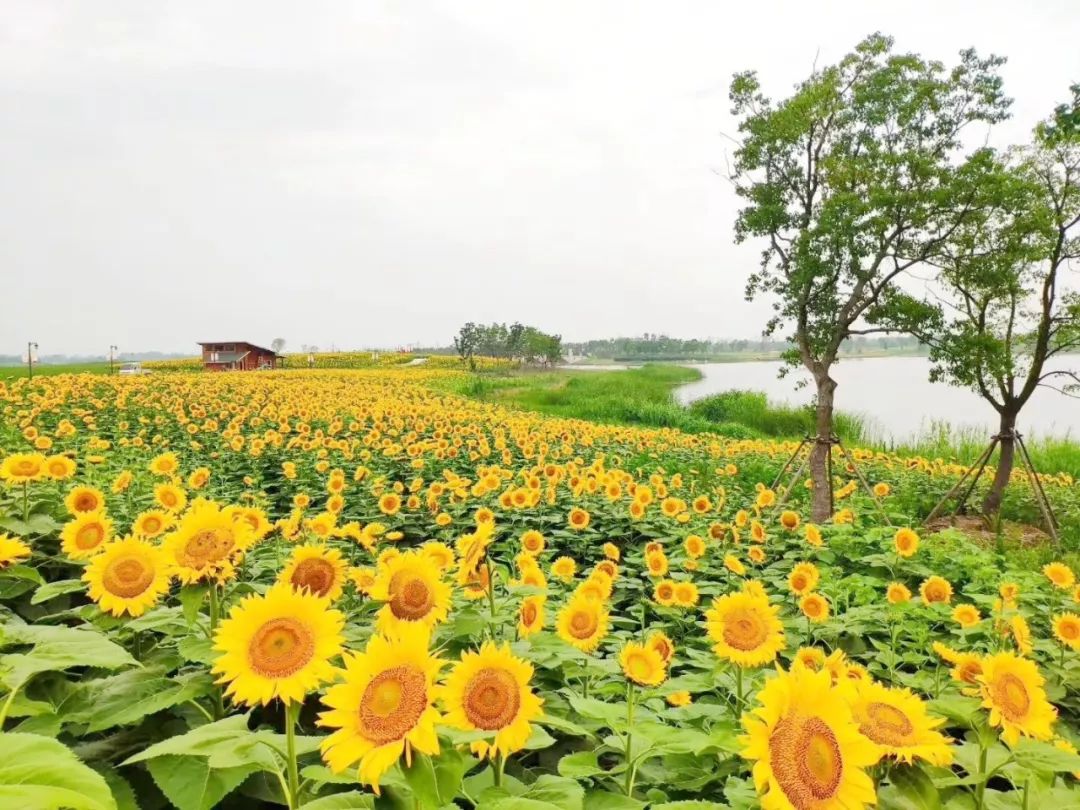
(238, 343)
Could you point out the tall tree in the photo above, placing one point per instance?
(278, 345)
(1000, 318)
(851, 182)
(467, 341)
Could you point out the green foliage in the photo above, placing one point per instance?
(41, 773)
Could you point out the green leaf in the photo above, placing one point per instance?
(603, 800)
(353, 800)
(910, 789)
(51, 590)
(122, 791)
(198, 650)
(44, 774)
(610, 714)
(129, 696)
(435, 782)
(55, 649)
(22, 572)
(691, 804)
(191, 784)
(1044, 757)
(191, 599)
(580, 765)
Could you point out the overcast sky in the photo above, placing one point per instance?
(376, 173)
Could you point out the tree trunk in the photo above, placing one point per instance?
(820, 468)
(992, 502)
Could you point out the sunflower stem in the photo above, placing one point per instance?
(497, 771)
(738, 691)
(214, 608)
(491, 597)
(292, 713)
(25, 502)
(980, 788)
(7, 703)
(629, 786)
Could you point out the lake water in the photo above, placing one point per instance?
(895, 396)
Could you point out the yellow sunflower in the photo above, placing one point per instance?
(564, 568)
(656, 564)
(1012, 689)
(317, 569)
(966, 615)
(686, 594)
(578, 519)
(84, 499)
(1067, 629)
(165, 464)
(532, 542)
(936, 589)
(642, 664)
(489, 691)
(806, 747)
(897, 593)
(663, 645)
(170, 497)
(611, 552)
(732, 564)
(59, 468)
(277, 646)
(906, 542)
(694, 546)
(390, 503)
(583, 623)
(1059, 574)
(813, 535)
(746, 628)
(531, 615)
(128, 576)
(815, 607)
(12, 551)
(384, 707)
(809, 657)
(206, 542)
(84, 535)
(803, 578)
(411, 585)
(664, 592)
(152, 523)
(897, 720)
(439, 553)
(22, 468)
(789, 520)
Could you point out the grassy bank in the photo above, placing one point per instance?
(643, 396)
(49, 370)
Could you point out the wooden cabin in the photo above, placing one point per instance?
(237, 355)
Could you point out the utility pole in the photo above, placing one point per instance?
(112, 350)
(31, 347)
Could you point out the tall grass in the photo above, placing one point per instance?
(752, 410)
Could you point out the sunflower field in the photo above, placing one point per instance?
(351, 589)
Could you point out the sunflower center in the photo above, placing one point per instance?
(886, 724)
(806, 760)
(528, 614)
(392, 704)
(411, 599)
(85, 502)
(1011, 696)
(744, 630)
(582, 624)
(127, 577)
(492, 699)
(315, 574)
(639, 667)
(664, 648)
(152, 525)
(280, 648)
(90, 536)
(1070, 630)
(201, 546)
(665, 591)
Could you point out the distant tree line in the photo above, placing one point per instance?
(517, 341)
(660, 347)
